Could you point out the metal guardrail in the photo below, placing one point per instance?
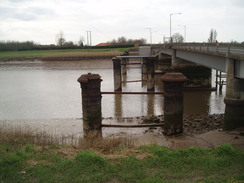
(234, 49)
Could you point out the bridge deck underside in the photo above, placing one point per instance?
(211, 61)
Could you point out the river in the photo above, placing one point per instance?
(49, 90)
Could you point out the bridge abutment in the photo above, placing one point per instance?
(234, 99)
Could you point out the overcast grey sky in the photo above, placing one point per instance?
(41, 20)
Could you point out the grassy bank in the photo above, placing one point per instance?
(9, 55)
(149, 164)
(40, 160)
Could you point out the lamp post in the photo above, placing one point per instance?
(170, 23)
(184, 31)
(150, 31)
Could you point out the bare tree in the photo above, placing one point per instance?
(212, 36)
(122, 40)
(81, 41)
(177, 38)
(60, 38)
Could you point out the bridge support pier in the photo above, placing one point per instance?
(234, 99)
(91, 104)
(117, 74)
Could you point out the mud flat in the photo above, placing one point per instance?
(204, 131)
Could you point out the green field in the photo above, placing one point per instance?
(41, 53)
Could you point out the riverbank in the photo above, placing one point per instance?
(54, 151)
(62, 53)
(26, 164)
(204, 131)
(80, 56)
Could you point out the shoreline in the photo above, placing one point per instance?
(60, 56)
(204, 131)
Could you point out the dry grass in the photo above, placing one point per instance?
(17, 136)
(80, 56)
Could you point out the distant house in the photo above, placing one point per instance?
(102, 44)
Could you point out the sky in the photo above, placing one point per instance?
(41, 20)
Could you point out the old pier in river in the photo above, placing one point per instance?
(179, 69)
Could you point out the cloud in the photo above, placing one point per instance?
(108, 19)
(17, 1)
(24, 14)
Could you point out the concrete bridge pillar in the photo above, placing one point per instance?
(234, 99)
(117, 74)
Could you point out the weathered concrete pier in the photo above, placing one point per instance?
(117, 74)
(91, 104)
(173, 102)
(234, 98)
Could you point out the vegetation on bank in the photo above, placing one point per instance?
(26, 157)
(61, 44)
(26, 163)
(8, 55)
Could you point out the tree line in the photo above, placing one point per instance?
(61, 43)
(30, 45)
(124, 40)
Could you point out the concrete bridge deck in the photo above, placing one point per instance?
(212, 56)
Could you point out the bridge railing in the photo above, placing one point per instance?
(221, 48)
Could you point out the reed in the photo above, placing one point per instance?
(80, 56)
(26, 135)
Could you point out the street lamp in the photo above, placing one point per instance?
(150, 31)
(170, 23)
(184, 31)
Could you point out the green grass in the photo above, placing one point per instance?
(27, 163)
(40, 53)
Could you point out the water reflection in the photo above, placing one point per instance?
(196, 102)
(44, 90)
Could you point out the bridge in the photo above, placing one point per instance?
(209, 55)
(222, 57)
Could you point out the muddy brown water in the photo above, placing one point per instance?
(49, 89)
(45, 95)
